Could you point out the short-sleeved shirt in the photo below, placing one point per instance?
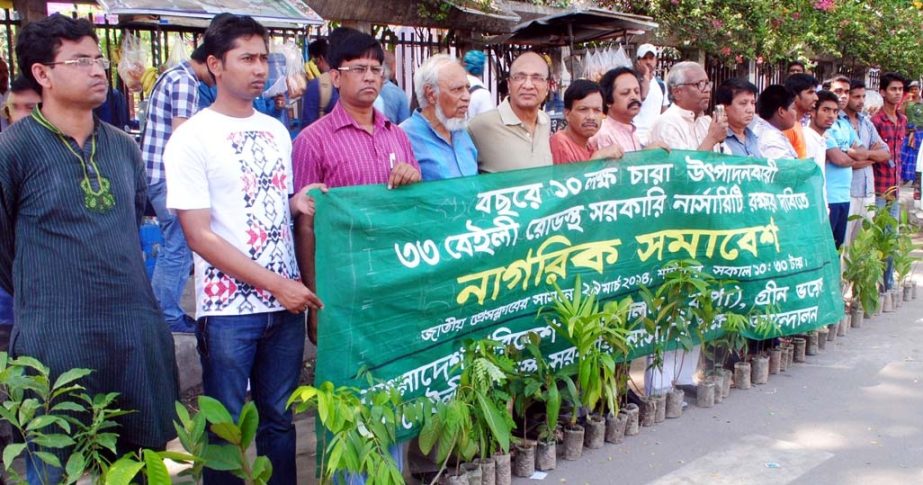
(863, 180)
(175, 95)
(839, 179)
(795, 136)
(651, 108)
(338, 152)
(240, 169)
(680, 129)
(565, 150)
(893, 134)
(438, 158)
(504, 143)
(732, 145)
(614, 132)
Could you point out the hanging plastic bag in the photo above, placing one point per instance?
(275, 78)
(620, 59)
(132, 62)
(295, 77)
(178, 50)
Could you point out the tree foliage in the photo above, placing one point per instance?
(856, 33)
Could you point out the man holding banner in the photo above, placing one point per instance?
(354, 144)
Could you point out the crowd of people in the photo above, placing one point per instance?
(230, 190)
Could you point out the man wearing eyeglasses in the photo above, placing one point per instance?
(518, 133)
(684, 125)
(353, 145)
(72, 194)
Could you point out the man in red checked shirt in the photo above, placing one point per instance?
(892, 126)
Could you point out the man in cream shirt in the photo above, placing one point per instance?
(517, 134)
(684, 125)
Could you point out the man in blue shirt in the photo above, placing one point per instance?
(844, 150)
(391, 100)
(438, 130)
(738, 96)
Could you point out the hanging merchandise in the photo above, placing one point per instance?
(286, 72)
(178, 50)
(295, 76)
(620, 58)
(131, 62)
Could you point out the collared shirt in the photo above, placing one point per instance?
(863, 183)
(795, 136)
(504, 143)
(175, 95)
(438, 158)
(566, 150)
(750, 147)
(839, 179)
(893, 134)
(393, 103)
(680, 129)
(772, 141)
(614, 132)
(338, 152)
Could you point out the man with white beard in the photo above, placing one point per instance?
(438, 130)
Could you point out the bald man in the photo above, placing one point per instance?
(517, 134)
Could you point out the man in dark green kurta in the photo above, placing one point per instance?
(72, 194)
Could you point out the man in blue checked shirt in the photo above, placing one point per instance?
(173, 100)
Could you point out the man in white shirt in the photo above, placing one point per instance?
(776, 109)
(825, 113)
(481, 99)
(229, 172)
(684, 125)
(653, 92)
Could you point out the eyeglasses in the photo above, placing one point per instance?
(535, 78)
(703, 85)
(84, 62)
(361, 69)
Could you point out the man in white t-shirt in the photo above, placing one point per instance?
(825, 113)
(653, 92)
(229, 178)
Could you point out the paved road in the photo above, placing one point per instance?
(851, 415)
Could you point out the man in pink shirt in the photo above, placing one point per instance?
(621, 88)
(354, 144)
(583, 110)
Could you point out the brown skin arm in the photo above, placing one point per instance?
(838, 158)
(304, 253)
(293, 295)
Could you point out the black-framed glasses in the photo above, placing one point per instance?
(361, 69)
(703, 85)
(84, 62)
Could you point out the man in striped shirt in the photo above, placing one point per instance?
(353, 145)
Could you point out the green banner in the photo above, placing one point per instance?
(406, 275)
